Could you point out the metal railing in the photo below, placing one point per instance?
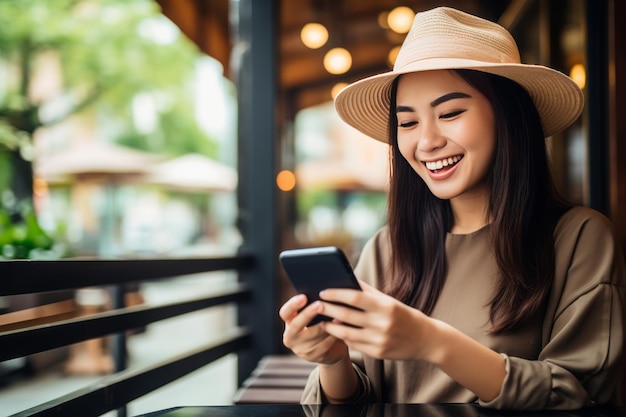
(113, 392)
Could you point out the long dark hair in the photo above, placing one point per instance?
(524, 208)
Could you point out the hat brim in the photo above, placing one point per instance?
(365, 104)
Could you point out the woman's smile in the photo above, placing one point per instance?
(443, 164)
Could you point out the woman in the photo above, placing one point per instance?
(484, 286)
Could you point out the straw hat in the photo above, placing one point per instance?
(445, 38)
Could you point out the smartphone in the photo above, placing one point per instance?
(312, 270)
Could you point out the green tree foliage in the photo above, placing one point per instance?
(177, 134)
(109, 52)
(23, 238)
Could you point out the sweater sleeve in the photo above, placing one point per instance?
(583, 331)
(313, 393)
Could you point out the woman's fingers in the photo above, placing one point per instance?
(296, 320)
(310, 343)
(291, 307)
(294, 314)
(343, 314)
(349, 297)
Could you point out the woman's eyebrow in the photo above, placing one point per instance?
(449, 96)
(404, 109)
(436, 102)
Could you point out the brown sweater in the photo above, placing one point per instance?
(568, 360)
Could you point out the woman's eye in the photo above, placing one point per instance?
(407, 124)
(451, 114)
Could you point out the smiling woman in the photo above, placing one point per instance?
(471, 291)
(442, 118)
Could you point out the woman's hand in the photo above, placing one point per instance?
(337, 376)
(384, 329)
(310, 343)
(389, 329)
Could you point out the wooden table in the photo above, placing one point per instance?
(373, 410)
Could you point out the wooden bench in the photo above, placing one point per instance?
(277, 379)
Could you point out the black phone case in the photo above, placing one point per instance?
(312, 270)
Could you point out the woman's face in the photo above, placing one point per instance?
(446, 131)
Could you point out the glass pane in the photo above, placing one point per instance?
(121, 129)
(341, 178)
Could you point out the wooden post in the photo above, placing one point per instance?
(254, 65)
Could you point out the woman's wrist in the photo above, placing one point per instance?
(438, 336)
(450, 350)
(342, 363)
(339, 381)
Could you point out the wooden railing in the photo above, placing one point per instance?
(113, 392)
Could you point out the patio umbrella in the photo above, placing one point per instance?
(93, 162)
(193, 173)
(96, 160)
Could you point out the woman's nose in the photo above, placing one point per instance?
(430, 138)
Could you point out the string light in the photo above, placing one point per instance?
(337, 88)
(337, 61)
(286, 180)
(393, 54)
(314, 35)
(579, 75)
(382, 20)
(400, 19)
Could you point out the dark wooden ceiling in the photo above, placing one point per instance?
(353, 24)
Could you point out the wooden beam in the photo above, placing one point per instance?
(205, 23)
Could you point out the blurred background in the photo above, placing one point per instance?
(118, 139)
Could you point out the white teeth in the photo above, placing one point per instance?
(435, 165)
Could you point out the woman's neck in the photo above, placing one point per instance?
(470, 213)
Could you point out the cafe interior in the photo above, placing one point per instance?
(286, 61)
